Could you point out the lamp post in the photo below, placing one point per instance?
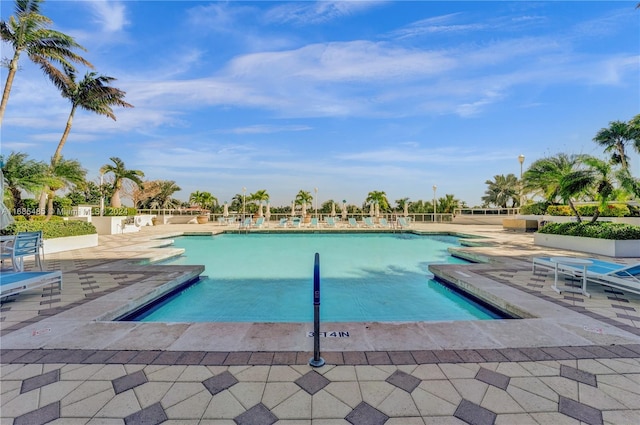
(434, 202)
(316, 199)
(101, 195)
(521, 161)
(244, 201)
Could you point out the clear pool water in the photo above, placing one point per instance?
(269, 278)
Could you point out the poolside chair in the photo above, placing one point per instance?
(295, 221)
(283, 222)
(368, 222)
(403, 223)
(259, 222)
(353, 222)
(313, 222)
(383, 222)
(14, 283)
(246, 223)
(24, 244)
(620, 276)
(331, 222)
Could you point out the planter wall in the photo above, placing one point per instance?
(608, 247)
(69, 243)
(112, 225)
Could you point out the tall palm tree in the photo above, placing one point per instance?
(21, 174)
(303, 197)
(614, 139)
(93, 94)
(120, 173)
(448, 204)
(65, 173)
(502, 190)
(163, 195)
(28, 32)
(380, 197)
(400, 203)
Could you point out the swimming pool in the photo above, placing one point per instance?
(269, 278)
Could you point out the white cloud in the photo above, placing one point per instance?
(110, 15)
(308, 12)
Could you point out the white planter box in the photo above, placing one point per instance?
(70, 242)
(608, 247)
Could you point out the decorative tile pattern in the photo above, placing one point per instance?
(580, 411)
(220, 382)
(257, 415)
(578, 375)
(127, 382)
(40, 381)
(43, 415)
(365, 414)
(151, 415)
(312, 382)
(403, 380)
(473, 414)
(493, 378)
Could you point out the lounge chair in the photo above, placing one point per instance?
(331, 222)
(259, 222)
(246, 223)
(14, 283)
(24, 244)
(383, 222)
(353, 222)
(368, 222)
(313, 222)
(615, 275)
(403, 223)
(295, 222)
(283, 222)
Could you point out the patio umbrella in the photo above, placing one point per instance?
(344, 210)
(293, 208)
(377, 210)
(372, 210)
(5, 215)
(268, 212)
(225, 211)
(304, 209)
(406, 209)
(333, 209)
(260, 210)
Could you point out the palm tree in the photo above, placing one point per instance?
(205, 200)
(260, 196)
(380, 197)
(120, 173)
(614, 138)
(303, 197)
(448, 204)
(92, 94)
(544, 176)
(502, 190)
(400, 203)
(158, 194)
(22, 174)
(27, 32)
(61, 175)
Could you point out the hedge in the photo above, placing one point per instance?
(599, 229)
(52, 229)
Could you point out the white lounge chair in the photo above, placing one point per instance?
(403, 223)
(353, 222)
(621, 276)
(368, 222)
(14, 283)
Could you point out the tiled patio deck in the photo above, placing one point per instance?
(58, 379)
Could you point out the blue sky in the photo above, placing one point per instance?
(346, 97)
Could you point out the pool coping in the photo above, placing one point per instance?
(77, 328)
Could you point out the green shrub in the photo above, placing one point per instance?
(612, 210)
(562, 210)
(115, 212)
(538, 208)
(44, 218)
(599, 229)
(52, 229)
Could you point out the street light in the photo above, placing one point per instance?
(101, 195)
(244, 200)
(434, 202)
(521, 161)
(316, 199)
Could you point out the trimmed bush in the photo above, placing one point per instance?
(115, 212)
(599, 230)
(538, 208)
(52, 229)
(612, 210)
